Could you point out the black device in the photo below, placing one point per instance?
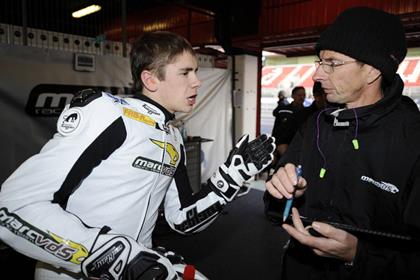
(352, 229)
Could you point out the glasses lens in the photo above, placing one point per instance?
(326, 67)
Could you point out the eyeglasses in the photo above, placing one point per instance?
(329, 65)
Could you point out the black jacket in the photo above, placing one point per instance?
(374, 187)
(288, 119)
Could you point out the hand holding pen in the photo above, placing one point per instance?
(285, 182)
(290, 200)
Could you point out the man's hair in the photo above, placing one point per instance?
(153, 51)
(281, 94)
(296, 89)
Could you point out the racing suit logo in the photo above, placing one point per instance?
(81, 252)
(150, 110)
(69, 121)
(138, 117)
(154, 166)
(117, 99)
(170, 149)
(382, 185)
(64, 249)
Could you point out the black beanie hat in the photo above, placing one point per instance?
(368, 35)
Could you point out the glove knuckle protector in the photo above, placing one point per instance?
(245, 160)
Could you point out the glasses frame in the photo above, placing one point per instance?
(327, 65)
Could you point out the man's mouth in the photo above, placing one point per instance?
(191, 100)
(327, 90)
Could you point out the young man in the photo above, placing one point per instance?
(360, 160)
(87, 204)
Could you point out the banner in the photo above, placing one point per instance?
(286, 77)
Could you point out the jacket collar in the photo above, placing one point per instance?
(371, 113)
(168, 115)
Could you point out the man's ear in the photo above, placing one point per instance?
(149, 80)
(373, 75)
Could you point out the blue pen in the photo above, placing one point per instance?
(290, 200)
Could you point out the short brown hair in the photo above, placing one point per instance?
(153, 51)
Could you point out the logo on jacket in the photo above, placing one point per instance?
(170, 149)
(64, 249)
(382, 185)
(154, 166)
(69, 121)
(150, 110)
(116, 99)
(81, 252)
(138, 117)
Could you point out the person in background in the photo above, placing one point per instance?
(319, 102)
(281, 103)
(86, 205)
(360, 160)
(288, 120)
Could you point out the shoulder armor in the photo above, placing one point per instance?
(84, 97)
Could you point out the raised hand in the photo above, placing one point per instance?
(245, 160)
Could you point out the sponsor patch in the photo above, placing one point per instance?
(55, 245)
(388, 187)
(116, 99)
(69, 122)
(138, 117)
(170, 149)
(150, 110)
(154, 166)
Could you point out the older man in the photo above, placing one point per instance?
(360, 159)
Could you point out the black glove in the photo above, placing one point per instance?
(246, 159)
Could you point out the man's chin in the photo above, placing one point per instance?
(187, 109)
(332, 99)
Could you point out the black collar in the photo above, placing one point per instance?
(391, 98)
(168, 115)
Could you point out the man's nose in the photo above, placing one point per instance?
(319, 74)
(196, 82)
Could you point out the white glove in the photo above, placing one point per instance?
(116, 257)
(246, 159)
(184, 271)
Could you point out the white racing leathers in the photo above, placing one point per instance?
(111, 164)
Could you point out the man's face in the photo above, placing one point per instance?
(346, 84)
(178, 91)
(299, 97)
